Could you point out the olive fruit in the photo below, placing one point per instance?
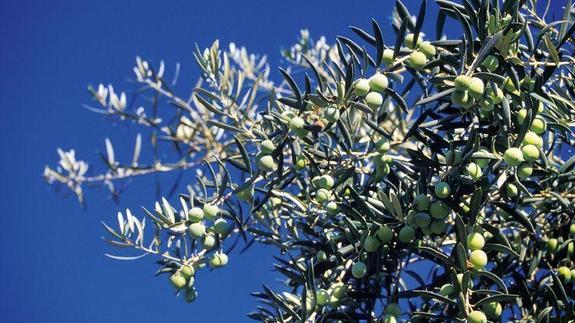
(453, 157)
(178, 281)
(564, 273)
(267, 163)
(361, 87)
(447, 290)
(511, 190)
(531, 138)
(388, 318)
(388, 56)
(406, 234)
(421, 202)
(416, 60)
(321, 297)
(495, 95)
(322, 195)
(492, 310)
(332, 208)
(474, 171)
(300, 162)
(267, 147)
(382, 146)
(462, 83)
(221, 226)
(476, 88)
(476, 317)
(209, 241)
(195, 214)
(422, 219)
(478, 259)
(296, 123)
(393, 309)
(244, 194)
(378, 82)
(552, 245)
(373, 100)
(438, 226)
(442, 189)
(530, 153)
(509, 86)
(325, 181)
(524, 170)
(358, 270)
(409, 41)
(331, 114)
(428, 49)
(475, 241)
(385, 234)
(538, 126)
(321, 256)
(187, 271)
(521, 115)
(461, 98)
(490, 63)
(513, 156)
(370, 244)
(218, 259)
(572, 229)
(439, 210)
(197, 230)
(210, 211)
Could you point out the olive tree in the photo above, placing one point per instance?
(401, 178)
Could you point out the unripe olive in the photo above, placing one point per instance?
(218, 259)
(513, 156)
(438, 226)
(361, 87)
(492, 310)
(322, 195)
(453, 157)
(358, 270)
(387, 58)
(531, 138)
(296, 123)
(528, 83)
(322, 297)
(426, 231)
(421, 202)
(197, 230)
(572, 229)
(524, 170)
(385, 234)
(338, 290)
(378, 82)
(509, 86)
(408, 41)
(439, 210)
(373, 100)
(393, 309)
(482, 162)
(476, 88)
(476, 317)
(572, 273)
(321, 256)
(462, 83)
(221, 226)
(209, 241)
(267, 163)
(521, 115)
(388, 318)
(490, 63)
(211, 211)
(511, 190)
(244, 194)
(538, 126)
(447, 290)
(326, 181)
(428, 49)
(478, 259)
(382, 145)
(552, 245)
(300, 162)
(461, 98)
(564, 273)
(475, 241)
(267, 147)
(474, 171)
(370, 244)
(331, 208)
(195, 215)
(331, 114)
(417, 60)
(422, 219)
(495, 95)
(187, 271)
(406, 234)
(530, 153)
(442, 189)
(178, 281)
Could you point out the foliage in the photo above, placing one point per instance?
(437, 175)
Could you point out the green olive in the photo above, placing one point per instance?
(462, 83)
(211, 211)
(197, 230)
(321, 256)
(378, 82)
(393, 309)
(530, 153)
(531, 138)
(428, 49)
(492, 310)
(382, 146)
(326, 181)
(475, 241)
(322, 297)
(296, 123)
(388, 318)
(388, 56)
(572, 229)
(408, 41)
(474, 171)
(267, 163)
(422, 220)
(300, 162)
(442, 189)
(461, 98)
(552, 245)
(513, 156)
(564, 273)
(322, 195)
(221, 226)
(187, 271)
(385, 234)
(178, 281)
(438, 226)
(538, 126)
(495, 95)
(524, 170)
(267, 147)
(361, 87)
(453, 157)
(331, 114)
(421, 202)
(332, 208)
(406, 234)
(417, 60)
(447, 290)
(358, 270)
(195, 215)
(373, 100)
(476, 317)
(511, 190)
(476, 88)
(370, 244)
(521, 115)
(439, 210)
(478, 259)
(245, 194)
(209, 241)
(218, 259)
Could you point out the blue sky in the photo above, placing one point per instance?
(53, 268)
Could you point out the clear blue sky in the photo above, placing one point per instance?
(53, 268)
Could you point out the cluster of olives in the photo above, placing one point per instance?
(264, 157)
(324, 193)
(371, 89)
(382, 160)
(427, 215)
(477, 257)
(371, 243)
(468, 90)
(422, 51)
(183, 279)
(295, 123)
